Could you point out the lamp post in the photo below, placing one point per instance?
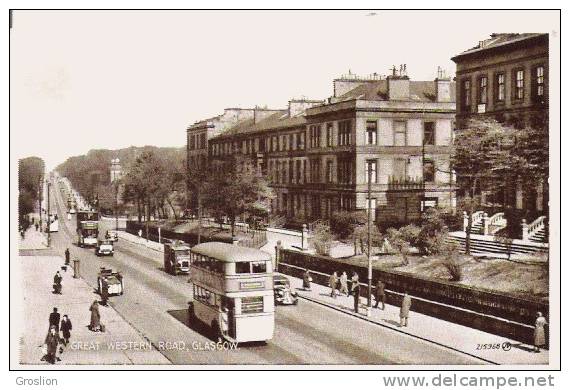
(48, 216)
(369, 222)
(116, 207)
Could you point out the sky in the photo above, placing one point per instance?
(82, 80)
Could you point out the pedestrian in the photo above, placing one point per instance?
(67, 255)
(355, 290)
(104, 292)
(57, 287)
(51, 343)
(380, 294)
(539, 333)
(405, 309)
(307, 279)
(140, 233)
(344, 284)
(54, 319)
(95, 324)
(66, 329)
(332, 283)
(37, 227)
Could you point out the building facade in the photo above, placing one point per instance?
(505, 78)
(319, 155)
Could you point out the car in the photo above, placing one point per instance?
(104, 248)
(113, 280)
(283, 292)
(112, 235)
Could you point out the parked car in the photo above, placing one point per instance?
(283, 292)
(114, 281)
(104, 248)
(112, 235)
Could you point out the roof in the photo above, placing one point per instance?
(378, 90)
(279, 120)
(230, 253)
(497, 41)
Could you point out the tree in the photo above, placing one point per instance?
(30, 184)
(235, 187)
(432, 236)
(403, 239)
(481, 154)
(322, 238)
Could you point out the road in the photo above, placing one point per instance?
(155, 304)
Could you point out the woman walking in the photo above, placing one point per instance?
(539, 333)
(95, 324)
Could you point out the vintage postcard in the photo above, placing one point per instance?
(257, 189)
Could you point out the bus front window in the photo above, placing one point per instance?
(243, 267)
(259, 267)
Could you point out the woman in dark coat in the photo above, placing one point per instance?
(307, 279)
(66, 329)
(52, 340)
(95, 324)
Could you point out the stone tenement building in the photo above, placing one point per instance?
(505, 78)
(317, 154)
(199, 134)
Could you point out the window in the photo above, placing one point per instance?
(429, 133)
(429, 171)
(258, 267)
(344, 171)
(466, 95)
(399, 169)
(314, 136)
(500, 87)
(371, 131)
(298, 175)
(371, 206)
(191, 142)
(399, 133)
(371, 171)
(344, 133)
(315, 171)
(329, 135)
(252, 305)
(539, 83)
(483, 90)
(329, 171)
(243, 267)
(519, 84)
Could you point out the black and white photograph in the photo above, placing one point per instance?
(293, 189)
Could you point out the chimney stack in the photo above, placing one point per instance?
(442, 86)
(399, 84)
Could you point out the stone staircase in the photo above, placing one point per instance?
(481, 244)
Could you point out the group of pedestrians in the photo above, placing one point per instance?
(59, 330)
(344, 286)
(54, 339)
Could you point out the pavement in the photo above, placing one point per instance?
(34, 240)
(431, 329)
(129, 346)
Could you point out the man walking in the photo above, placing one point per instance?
(66, 329)
(54, 319)
(332, 283)
(52, 341)
(380, 294)
(67, 255)
(104, 292)
(355, 289)
(344, 283)
(405, 309)
(57, 283)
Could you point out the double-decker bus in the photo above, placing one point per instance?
(233, 291)
(87, 228)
